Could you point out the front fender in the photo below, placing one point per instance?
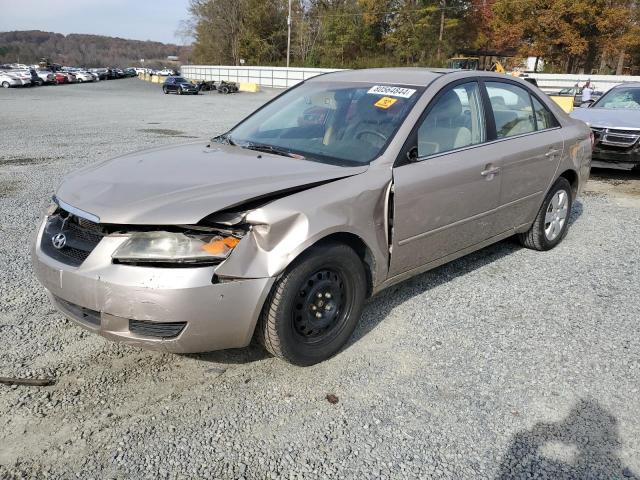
(283, 229)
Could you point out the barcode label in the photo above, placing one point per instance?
(391, 91)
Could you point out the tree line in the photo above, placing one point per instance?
(29, 47)
(571, 36)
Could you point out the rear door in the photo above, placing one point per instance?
(531, 146)
(445, 199)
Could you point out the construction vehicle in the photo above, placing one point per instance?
(489, 61)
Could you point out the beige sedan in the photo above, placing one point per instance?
(281, 228)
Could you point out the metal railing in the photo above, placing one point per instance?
(550, 82)
(271, 77)
(282, 77)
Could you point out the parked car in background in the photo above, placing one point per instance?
(102, 73)
(113, 74)
(615, 121)
(130, 72)
(165, 72)
(46, 76)
(282, 228)
(8, 80)
(61, 78)
(576, 93)
(33, 75)
(83, 77)
(179, 85)
(24, 76)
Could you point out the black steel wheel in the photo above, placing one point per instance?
(321, 306)
(315, 306)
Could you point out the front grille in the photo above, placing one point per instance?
(81, 236)
(82, 314)
(156, 329)
(616, 137)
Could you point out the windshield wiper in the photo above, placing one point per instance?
(224, 138)
(263, 147)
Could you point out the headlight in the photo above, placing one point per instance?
(169, 247)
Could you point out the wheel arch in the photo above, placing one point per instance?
(357, 244)
(574, 180)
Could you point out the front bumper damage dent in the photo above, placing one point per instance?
(217, 313)
(627, 159)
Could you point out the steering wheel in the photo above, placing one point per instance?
(373, 133)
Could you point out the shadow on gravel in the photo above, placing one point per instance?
(250, 354)
(576, 212)
(380, 306)
(583, 445)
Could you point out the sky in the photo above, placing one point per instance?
(134, 19)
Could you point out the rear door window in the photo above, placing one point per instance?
(544, 118)
(512, 109)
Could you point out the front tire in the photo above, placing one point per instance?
(552, 222)
(314, 307)
(5, 85)
(166, 92)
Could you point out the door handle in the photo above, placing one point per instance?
(551, 153)
(490, 171)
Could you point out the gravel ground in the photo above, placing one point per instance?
(505, 364)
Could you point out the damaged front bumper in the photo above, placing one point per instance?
(179, 310)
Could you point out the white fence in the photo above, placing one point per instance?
(273, 77)
(553, 82)
(281, 77)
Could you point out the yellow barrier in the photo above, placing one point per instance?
(157, 79)
(248, 87)
(566, 103)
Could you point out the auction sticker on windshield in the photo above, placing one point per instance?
(385, 102)
(391, 91)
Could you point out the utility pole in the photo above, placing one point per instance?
(443, 6)
(289, 35)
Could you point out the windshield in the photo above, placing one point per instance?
(180, 80)
(625, 98)
(340, 123)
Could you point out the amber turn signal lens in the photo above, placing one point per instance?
(231, 242)
(217, 247)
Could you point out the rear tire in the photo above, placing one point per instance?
(552, 222)
(314, 307)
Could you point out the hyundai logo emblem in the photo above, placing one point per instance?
(59, 240)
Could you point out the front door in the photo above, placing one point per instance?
(445, 200)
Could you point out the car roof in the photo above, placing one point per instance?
(628, 84)
(420, 77)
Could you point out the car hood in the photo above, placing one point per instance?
(608, 117)
(183, 184)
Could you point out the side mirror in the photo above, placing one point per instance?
(412, 154)
(586, 104)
